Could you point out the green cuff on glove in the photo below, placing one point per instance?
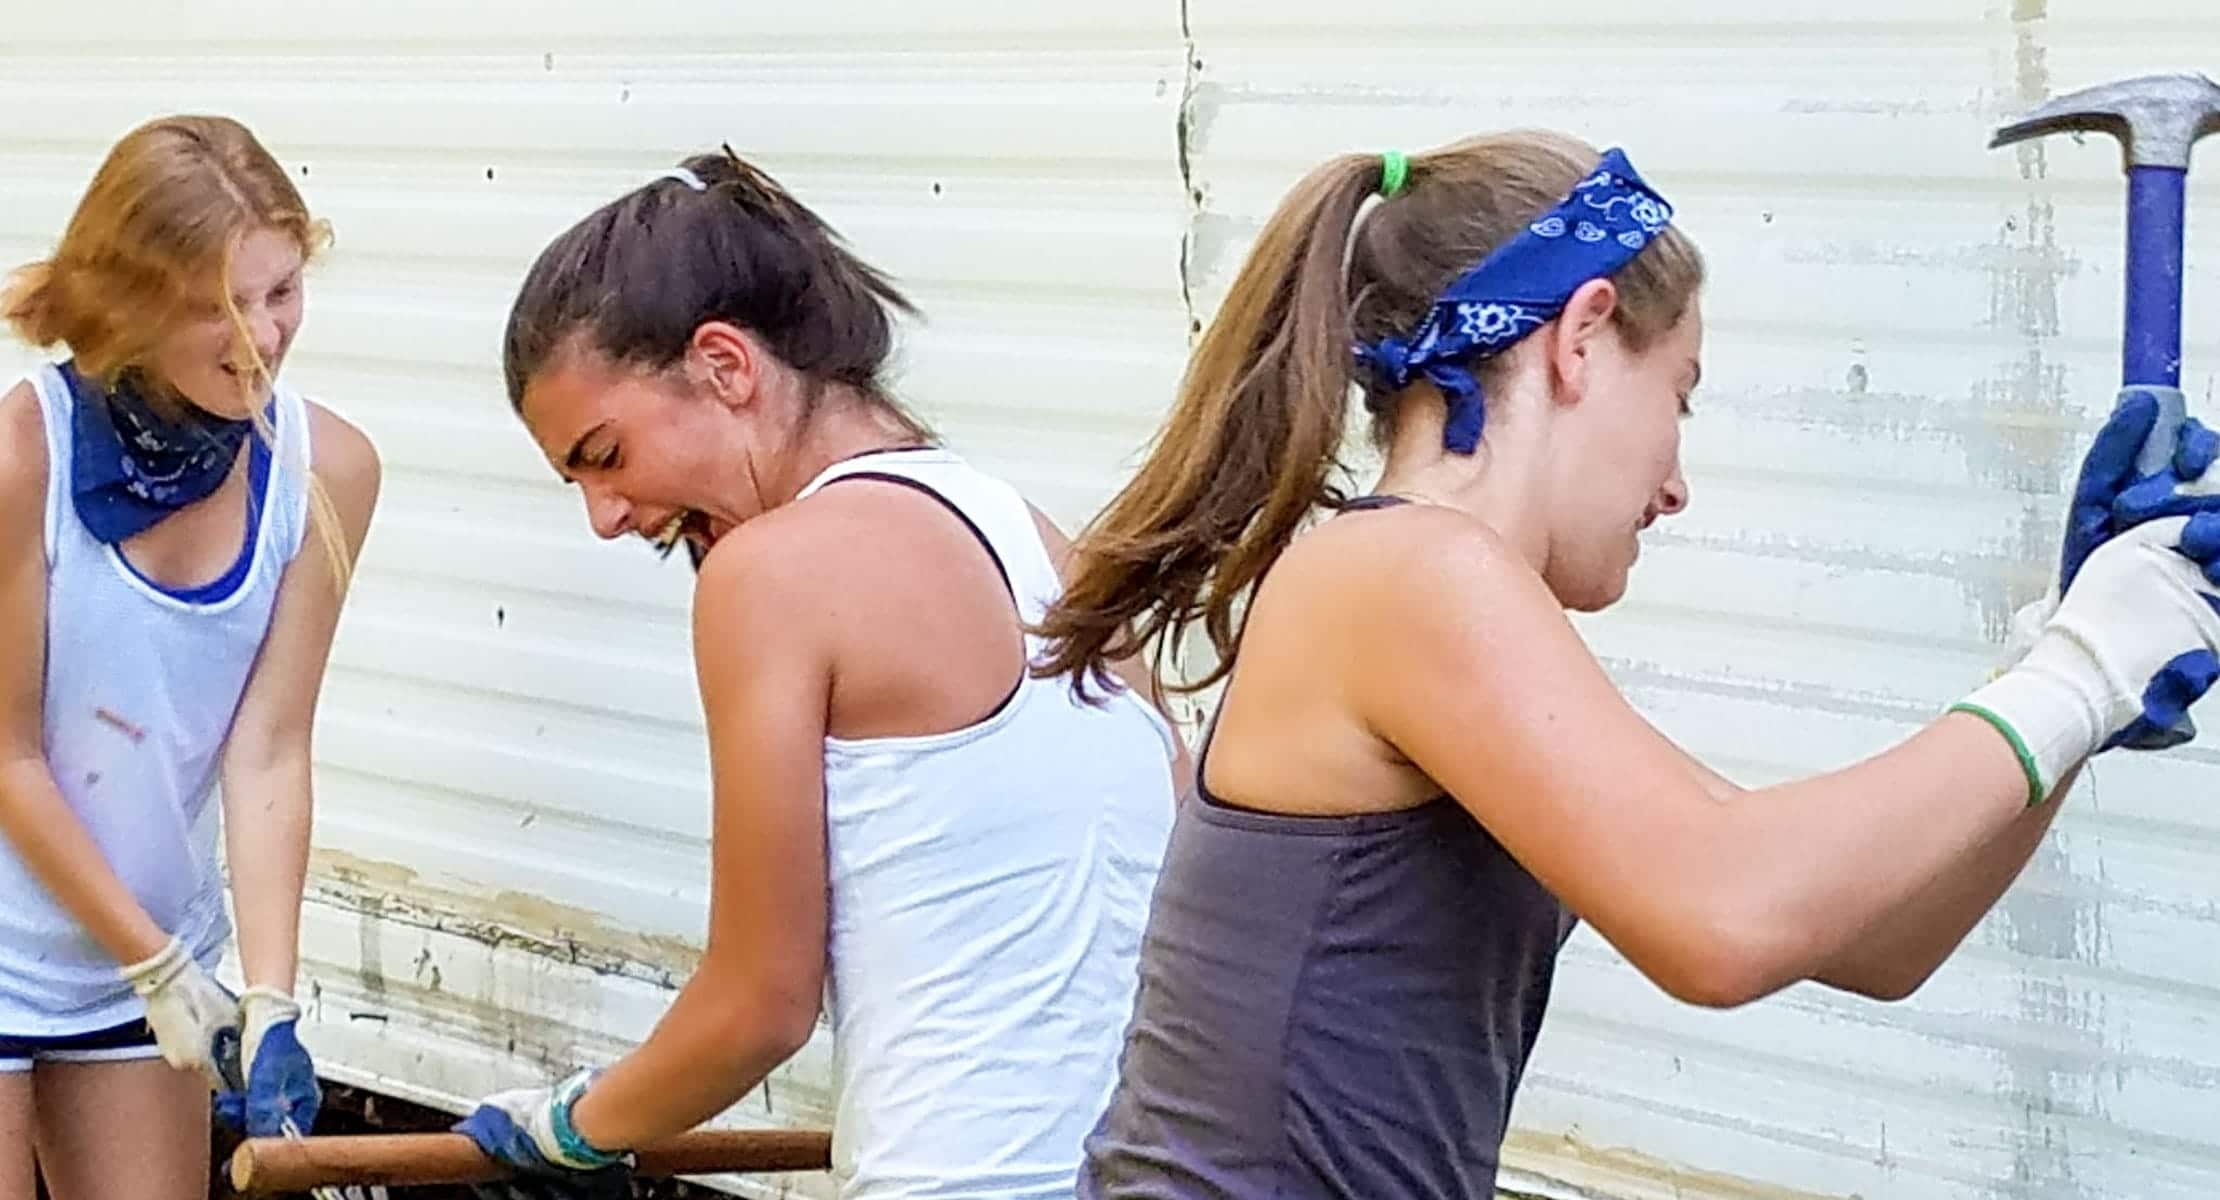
(2036, 792)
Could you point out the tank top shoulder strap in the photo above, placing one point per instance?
(993, 510)
(290, 464)
(54, 414)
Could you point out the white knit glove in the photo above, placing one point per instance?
(2130, 646)
(190, 1012)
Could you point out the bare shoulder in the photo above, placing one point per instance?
(1435, 622)
(23, 465)
(850, 562)
(1358, 615)
(1373, 607)
(755, 552)
(345, 459)
(774, 573)
(860, 533)
(1398, 563)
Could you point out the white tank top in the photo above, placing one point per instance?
(988, 892)
(142, 683)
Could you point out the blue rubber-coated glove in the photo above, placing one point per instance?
(529, 1131)
(2185, 679)
(280, 1095)
(2178, 490)
(2110, 495)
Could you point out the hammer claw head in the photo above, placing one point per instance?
(2157, 118)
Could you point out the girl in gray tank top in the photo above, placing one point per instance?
(1418, 773)
(1329, 1006)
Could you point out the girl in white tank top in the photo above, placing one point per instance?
(156, 494)
(951, 857)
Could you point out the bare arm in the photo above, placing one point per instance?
(266, 764)
(1133, 671)
(763, 658)
(1906, 945)
(1718, 901)
(34, 818)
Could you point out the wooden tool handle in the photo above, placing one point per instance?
(269, 1166)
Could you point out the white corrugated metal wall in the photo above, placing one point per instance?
(1909, 335)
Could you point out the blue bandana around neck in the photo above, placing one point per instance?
(1519, 287)
(131, 468)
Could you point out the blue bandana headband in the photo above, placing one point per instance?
(1519, 287)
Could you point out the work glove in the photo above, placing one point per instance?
(2110, 495)
(2124, 654)
(275, 1092)
(194, 1018)
(529, 1131)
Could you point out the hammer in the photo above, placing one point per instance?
(2157, 119)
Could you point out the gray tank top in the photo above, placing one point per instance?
(1329, 1007)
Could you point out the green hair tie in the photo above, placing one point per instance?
(1395, 171)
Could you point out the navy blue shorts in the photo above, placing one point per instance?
(120, 1043)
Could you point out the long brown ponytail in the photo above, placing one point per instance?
(1251, 445)
(1245, 455)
